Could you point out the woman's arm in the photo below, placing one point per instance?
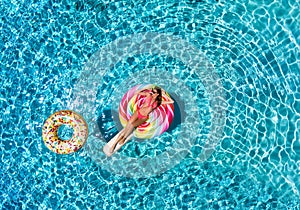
(142, 93)
(169, 99)
(167, 102)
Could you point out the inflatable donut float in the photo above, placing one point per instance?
(69, 118)
(159, 119)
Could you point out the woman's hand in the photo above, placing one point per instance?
(169, 99)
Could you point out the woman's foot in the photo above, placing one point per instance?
(112, 149)
(120, 139)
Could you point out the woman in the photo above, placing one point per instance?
(153, 99)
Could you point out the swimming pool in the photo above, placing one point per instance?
(235, 140)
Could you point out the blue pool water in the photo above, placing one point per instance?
(231, 67)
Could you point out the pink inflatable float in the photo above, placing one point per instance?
(159, 120)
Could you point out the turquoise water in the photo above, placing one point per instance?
(232, 68)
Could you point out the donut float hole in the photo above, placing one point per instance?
(65, 132)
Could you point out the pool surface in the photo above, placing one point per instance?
(232, 68)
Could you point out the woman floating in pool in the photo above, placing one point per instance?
(153, 99)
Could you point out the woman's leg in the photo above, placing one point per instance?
(126, 131)
(128, 126)
(131, 125)
(131, 128)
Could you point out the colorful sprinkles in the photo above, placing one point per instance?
(68, 117)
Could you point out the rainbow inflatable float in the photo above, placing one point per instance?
(159, 120)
